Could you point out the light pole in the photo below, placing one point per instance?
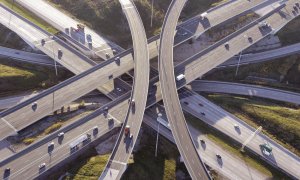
(159, 116)
(157, 140)
(152, 13)
(52, 37)
(237, 68)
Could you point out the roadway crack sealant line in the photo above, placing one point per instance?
(73, 79)
(170, 97)
(135, 113)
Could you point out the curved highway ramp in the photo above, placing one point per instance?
(174, 112)
(245, 89)
(117, 163)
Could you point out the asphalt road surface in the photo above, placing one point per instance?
(118, 160)
(245, 89)
(85, 85)
(224, 122)
(181, 134)
(100, 45)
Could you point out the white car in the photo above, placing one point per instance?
(61, 134)
(43, 165)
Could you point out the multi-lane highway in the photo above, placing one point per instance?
(100, 45)
(208, 150)
(89, 79)
(55, 48)
(225, 122)
(228, 168)
(115, 67)
(25, 164)
(245, 89)
(117, 163)
(181, 134)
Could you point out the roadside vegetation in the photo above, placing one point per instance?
(234, 148)
(279, 121)
(19, 77)
(106, 17)
(88, 169)
(144, 164)
(29, 15)
(290, 33)
(283, 73)
(44, 128)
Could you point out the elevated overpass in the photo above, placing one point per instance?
(181, 134)
(245, 89)
(69, 57)
(117, 162)
(106, 71)
(55, 94)
(283, 21)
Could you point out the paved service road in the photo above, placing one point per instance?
(117, 163)
(245, 89)
(181, 134)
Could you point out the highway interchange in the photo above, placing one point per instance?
(186, 77)
(117, 162)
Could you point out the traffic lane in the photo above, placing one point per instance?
(245, 89)
(225, 122)
(28, 164)
(213, 18)
(15, 24)
(228, 164)
(64, 95)
(226, 167)
(62, 21)
(203, 64)
(168, 85)
(136, 111)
